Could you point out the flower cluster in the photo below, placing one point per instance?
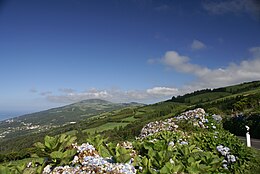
(89, 161)
(225, 151)
(196, 113)
(197, 116)
(158, 126)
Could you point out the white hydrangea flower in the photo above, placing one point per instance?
(47, 169)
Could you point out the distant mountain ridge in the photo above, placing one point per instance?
(56, 117)
(73, 112)
(96, 101)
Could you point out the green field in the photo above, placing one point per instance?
(104, 127)
(129, 119)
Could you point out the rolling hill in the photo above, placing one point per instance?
(228, 100)
(56, 117)
(121, 122)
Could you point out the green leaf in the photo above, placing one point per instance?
(104, 152)
(148, 145)
(122, 154)
(193, 169)
(56, 155)
(166, 169)
(39, 145)
(66, 141)
(51, 142)
(177, 168)
(159, 145)
(191, 160)
(69, 153)
(35, 156)
(151, 153)
(63, 138)
(215, 160)
(20, 167)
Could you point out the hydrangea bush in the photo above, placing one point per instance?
(192, 142)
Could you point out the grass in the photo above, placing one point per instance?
(129, 119)
(107, 126)
(140, 112)
(207, 97)
(73, 132)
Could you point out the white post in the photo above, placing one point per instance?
(248, 141)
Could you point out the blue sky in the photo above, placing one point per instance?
(55, 52)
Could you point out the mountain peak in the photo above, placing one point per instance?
(96, 101)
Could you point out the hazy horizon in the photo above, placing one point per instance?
(8, 115)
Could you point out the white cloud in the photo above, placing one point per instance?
(116, 95)
(197, 45)
(246, 70)
(162, 91)
(73, 96)
(182, 64)
(251, 7)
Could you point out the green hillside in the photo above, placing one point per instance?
(226, 100)
(121, 122)
(72, 113)
(57, 117)
(117, 125)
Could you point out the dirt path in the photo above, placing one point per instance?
(254, 142)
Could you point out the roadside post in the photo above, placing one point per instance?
(248, 141)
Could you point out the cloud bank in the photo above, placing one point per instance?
(162, 91)
(115, 95)
(182, 64)
(246, 70)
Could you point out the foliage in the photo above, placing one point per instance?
(119, 154)
(189, 149)
(56, 150)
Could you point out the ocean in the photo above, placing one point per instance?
(7, 115)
